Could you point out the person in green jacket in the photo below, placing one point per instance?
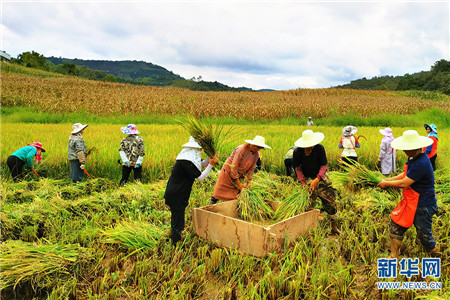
(76, 152)
(24, 156)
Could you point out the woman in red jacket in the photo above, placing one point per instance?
(431, 150)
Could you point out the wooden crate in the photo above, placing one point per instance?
(219, 224)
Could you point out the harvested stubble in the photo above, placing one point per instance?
(293, 205)
(135, 235)
(38, 264)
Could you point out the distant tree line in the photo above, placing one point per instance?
(36, 60)
(437, 79)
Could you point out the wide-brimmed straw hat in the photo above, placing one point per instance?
(386, 132)
(192, 144)
(309, 139)
(130, 129)
(411, 140)
(432, 127)
(258, 141)
(37, 145)
(77, 127)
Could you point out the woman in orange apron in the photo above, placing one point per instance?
(240, 165)
(418, 204)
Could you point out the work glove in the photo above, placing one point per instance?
(82, 167)
(124, 158)
(139, 162)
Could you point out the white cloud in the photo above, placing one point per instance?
(279, 45)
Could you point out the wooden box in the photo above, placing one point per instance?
(219, 224)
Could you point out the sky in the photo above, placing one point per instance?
(278, 45)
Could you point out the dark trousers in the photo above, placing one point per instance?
(76, 173)
(289, 164)
(126, 171)
(15, 165)
(350, 159)
(177, 224)
(325, 192)
(433, 161)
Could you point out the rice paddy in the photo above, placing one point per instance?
(97, 240)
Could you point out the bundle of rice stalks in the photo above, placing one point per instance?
(252, 207)
(135, 235)
(38, 264)
(293, 205)
(208, 137)
(357, 175)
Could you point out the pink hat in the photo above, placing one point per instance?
(37, 145)
(130, 129)
(386, 132)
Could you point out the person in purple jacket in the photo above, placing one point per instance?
(387, 153)
(24, 156)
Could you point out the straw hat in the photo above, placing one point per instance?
(411, 140)
(77, 127)
(386, 132)
(37, 145)
(258, 141)
(192, 144)
(309, 139)
(130, 129)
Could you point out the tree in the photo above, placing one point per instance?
(32, 60)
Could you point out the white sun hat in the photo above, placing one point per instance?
(309, 139)
(77, 127)
(192, 144)
(258, 141)
(411, 140)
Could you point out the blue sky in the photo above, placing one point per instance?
(257, 44)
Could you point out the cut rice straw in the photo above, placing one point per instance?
(209, 138)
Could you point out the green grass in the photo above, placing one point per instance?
(33, 115)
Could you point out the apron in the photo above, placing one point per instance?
(403, 214)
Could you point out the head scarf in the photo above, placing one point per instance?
(388, 137)
(193, 155)
(38, 154)
(433, 131)
(349, 131)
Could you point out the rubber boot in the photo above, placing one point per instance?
(395, 248)
(334, 228)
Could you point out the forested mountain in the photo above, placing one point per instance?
(126, 69)
(437, 79)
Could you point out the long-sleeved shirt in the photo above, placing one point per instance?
(133, 146)
(311, 166)
(26, 154)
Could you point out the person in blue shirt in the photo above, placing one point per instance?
(418, 204)
(24, 156)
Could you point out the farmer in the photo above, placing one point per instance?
(76, 152)
(431, 150)
(310, 122)
(240, 165)
(387, 153)
(187, 168)
(349, 143)
(418, 204)
(24, 156)
(288, 161)
(310, 162)
(132, 153)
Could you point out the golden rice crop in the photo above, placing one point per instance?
(70, 94)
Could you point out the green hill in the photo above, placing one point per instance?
(437, 79)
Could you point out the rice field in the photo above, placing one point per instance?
(97, 240)
(163, 143)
